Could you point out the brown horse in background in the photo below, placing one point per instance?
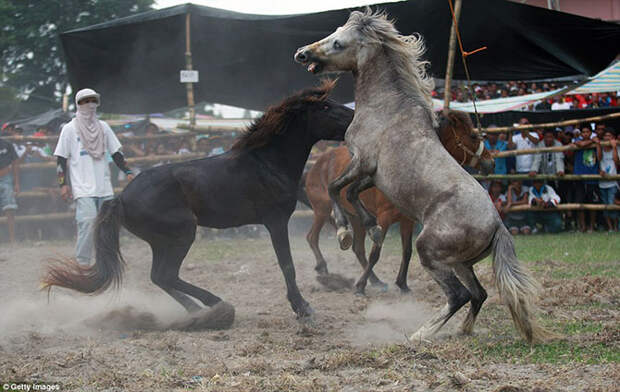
(457, 135)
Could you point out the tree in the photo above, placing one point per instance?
(33, 62)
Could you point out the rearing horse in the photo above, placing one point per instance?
(394, 146)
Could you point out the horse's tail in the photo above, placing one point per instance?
(516, 287)
(109, 263)
(302, 196)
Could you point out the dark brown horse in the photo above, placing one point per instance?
(256, 182)
(456, 133)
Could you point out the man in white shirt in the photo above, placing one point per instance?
(83, 142)
(522, 141)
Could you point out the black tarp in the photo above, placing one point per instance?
(52, 120)
(247, 60)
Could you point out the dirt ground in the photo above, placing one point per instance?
(105, 342)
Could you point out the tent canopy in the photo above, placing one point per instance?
(52, 119)
(247, 60)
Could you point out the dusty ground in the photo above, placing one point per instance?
(103, 343)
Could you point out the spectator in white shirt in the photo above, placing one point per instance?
(521, 141)
(544, 196)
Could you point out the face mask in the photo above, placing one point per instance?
(88, 108)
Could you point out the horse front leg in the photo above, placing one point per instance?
(280, 241)
(375, 232)
(349, 175)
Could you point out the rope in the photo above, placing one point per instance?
(464, 56)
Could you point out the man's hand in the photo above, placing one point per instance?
(603, 173)
(561, 173)
(613, 142)
(130, 177)
(65, 193)
(532, 173)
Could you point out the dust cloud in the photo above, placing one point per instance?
(390, 322)
(86, 315)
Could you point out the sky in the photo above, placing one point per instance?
(273, 7)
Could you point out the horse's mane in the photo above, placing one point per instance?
(404, 52)
(277, 118)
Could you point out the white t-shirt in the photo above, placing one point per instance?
(523, 162)
(608, 165)
(89, 177)
(561, 106)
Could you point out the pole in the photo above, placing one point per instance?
(188, 66)
(451, 54)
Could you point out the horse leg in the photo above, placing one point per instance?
(375, 252)
(457, 294)
(406, 235)
(165, 271)
(368, 220)
(279, 239)
(313, 237)
(359, 237)
(350, 174)
(478, 295)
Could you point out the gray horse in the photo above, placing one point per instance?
(394, 147)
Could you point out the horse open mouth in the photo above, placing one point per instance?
(315, 67)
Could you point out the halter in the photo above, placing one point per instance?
(475, 156)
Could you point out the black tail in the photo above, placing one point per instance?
(109, 263)
(302, 196)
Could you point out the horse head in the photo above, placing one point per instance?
(459, 137)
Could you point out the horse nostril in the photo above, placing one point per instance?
(301, 56)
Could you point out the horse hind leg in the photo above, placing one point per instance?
(457, 294)
(359, 237)
(313, 238)
(478, 295)
(368, 273)
(165, 274)
(406, 236)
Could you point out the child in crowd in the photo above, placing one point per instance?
(608, 165)
(517, 222)
(497, 197)
(544, 196)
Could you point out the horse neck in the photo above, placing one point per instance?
(288, 152)
(378, 84)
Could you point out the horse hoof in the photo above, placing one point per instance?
(360, 292)
(376, 234)
(405, 290)
(304, 312)
(345, 238)
(321, 270)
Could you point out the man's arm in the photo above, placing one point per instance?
(120, 162)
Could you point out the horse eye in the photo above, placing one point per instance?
(337, 45)
(325, 107)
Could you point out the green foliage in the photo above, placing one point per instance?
(31, 50)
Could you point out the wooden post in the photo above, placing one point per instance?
(451, 54)
(188, 66)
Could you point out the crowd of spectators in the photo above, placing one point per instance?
(594, 158)
(486, 91)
